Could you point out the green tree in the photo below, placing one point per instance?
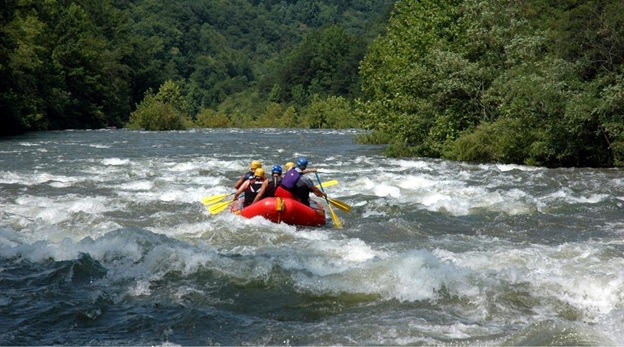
(88, 64)
(208, 118)
(399, 71)
(325, 62)
(530, 83)
(334, 112)
(22, 60)
(164, 111)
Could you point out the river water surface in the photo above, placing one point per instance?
(104, 241)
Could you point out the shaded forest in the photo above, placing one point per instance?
(91, 63)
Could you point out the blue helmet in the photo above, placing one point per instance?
(302, 163)
(276, 169)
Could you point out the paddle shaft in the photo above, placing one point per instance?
(335, 219)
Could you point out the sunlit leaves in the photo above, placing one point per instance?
(164, 111)
(520, 82)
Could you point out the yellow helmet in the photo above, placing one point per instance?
(259, 172)
(255, 164)
(289, 165)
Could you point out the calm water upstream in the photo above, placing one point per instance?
(104, 241)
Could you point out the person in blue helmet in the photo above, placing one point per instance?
(270, 185)
(290, 165)
(295, 185)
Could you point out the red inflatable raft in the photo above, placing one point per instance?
(279, 210)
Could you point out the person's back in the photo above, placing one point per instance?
(297, 186)
(287, 188)
(253, 186)
(274, 182)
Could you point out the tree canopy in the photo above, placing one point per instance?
(531, 82)
(89, 64)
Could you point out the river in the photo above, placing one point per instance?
(104, 241)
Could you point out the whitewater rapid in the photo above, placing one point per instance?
(433, 251)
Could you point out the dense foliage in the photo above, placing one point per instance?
(167, 110)
(91, 63)
(531, 82)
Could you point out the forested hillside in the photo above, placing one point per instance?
(536, 82)
(89, 63)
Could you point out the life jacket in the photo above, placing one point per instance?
(252, 191)
(303, 194)
(272, 186)
(290, 180)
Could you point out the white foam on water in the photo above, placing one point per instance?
(612, 324)
(383, 190)
(7, 177)
(575, 274)
(411, 276)
(42, 251)
(511, 167)
(454, 194)
(29, 144)
(136, 185)
(99, 146)
(60, 209)
(321, 264)
(566, 195)
(140, 288)
(115, 161)
(410, 164)
(36, 178)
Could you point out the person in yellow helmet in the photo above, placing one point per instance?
(255, 164)
(270, 185)
(251, 187)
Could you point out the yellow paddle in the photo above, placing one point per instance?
(335, 218)
(341, 205)
(218, 207)
(209, 200)
(328, 183)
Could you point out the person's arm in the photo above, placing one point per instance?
(312, 169)
(240, 190)
(239, 182)
(318, 192)
(261, 191)
(314, 189)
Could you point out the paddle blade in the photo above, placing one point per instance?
(218, 207)
(341, 205)
(328, 183)
(334, 217)
(209, 200)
